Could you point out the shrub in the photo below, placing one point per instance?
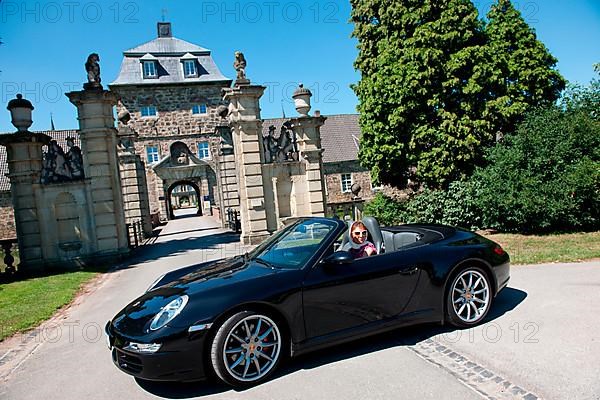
(546, 177)
(386, 210)
(457, 206)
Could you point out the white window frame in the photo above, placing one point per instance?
(194, 74)
(200, 106)
(154, 71)
(154, 156)
(201, 156)
(148, 109)
(348, 188)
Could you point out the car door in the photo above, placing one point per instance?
(368, 290)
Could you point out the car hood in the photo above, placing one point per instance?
(207, 285)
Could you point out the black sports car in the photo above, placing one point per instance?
(298, 292)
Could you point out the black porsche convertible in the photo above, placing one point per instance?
(299, 292)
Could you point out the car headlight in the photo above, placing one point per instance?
(168, 312)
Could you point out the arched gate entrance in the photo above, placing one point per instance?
(196, 176)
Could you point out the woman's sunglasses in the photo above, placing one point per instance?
(360, 233)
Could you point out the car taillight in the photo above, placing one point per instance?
(499, 250)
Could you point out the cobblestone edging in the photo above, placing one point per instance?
(485, 382)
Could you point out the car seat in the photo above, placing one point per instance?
(374, 233)
(346, 237)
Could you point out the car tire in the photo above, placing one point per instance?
(469, 297)
(247, 348)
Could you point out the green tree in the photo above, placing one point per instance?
(425, 82)
(587, 99)
(526, 71)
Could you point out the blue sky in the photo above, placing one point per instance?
(285, 42)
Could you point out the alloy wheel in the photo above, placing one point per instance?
(470, 296)
(251, 348)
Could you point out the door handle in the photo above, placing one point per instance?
(409, 271)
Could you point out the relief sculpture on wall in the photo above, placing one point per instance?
(179, 154)
(58, 167)
(280, 147)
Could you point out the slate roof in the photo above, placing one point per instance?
(60, 137)
(340, 136)
(168, 53)
(166, 45)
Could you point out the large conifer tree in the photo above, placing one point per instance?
(424, 88)
(525, 67)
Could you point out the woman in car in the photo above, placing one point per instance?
(358, 245)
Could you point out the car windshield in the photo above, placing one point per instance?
(293, 247)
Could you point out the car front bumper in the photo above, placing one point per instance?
(180, 358)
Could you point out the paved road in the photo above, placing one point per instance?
(541, 340)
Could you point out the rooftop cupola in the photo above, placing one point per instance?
(164, 30)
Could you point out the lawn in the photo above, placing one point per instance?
(25, 304)
(534, 249)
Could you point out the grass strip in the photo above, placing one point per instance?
(538, 249)
(25, 304)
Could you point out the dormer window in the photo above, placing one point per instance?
(189, 63)
(189, 69)
(150, 69)
(149, 66)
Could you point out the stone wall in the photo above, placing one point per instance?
(174, 109)
(174, 122)
(7, 216)
(333, 176)
(135, 190)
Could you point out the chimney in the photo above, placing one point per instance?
(164, 29)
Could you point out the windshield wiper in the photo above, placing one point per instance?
(263, 262)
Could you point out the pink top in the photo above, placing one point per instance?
(361, 251)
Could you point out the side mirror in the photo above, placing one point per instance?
(338, 258)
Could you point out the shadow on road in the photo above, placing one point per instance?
(507, 300)
(182, 390)
(213, 244)
(163, 235)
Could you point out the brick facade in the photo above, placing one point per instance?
(174, 109)
(333, 176)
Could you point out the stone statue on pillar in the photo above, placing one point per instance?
(240, 66)
(92, 68)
